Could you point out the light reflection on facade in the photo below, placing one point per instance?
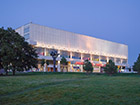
(74, 47)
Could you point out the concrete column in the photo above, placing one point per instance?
(81, 68)
(45, 51)
(91, 57)
(58, 65)
(115, 60)
(121, 61)
(70, 61)
(99, 62)
(81, 56)
(59, 53)
(71, 68)
(99, 58)
(70, 54)
(107, 59)
(45, 67)
(99, 69)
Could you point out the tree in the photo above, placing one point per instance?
(87, 66)
(47, 62)
(63, 62)
(110, 68)
(54, 55)
(43, 63)
(136, 66)
(15, 53)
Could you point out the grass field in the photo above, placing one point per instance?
(70, 89)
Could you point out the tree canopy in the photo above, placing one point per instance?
(87, 66)
(110, 68)
(63, 61)
(136, 66)
(15, 52)
(42, 62)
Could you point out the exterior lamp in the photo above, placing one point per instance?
(54, 55)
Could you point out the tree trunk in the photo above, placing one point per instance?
(54, 61)
(13, 72)
(47, 68)
(6, 72)
(87, 72)
(63, 68)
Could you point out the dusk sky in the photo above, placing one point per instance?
(113, 20)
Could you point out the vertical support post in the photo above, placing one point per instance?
(71, 55)
(81, 67)
(45, 52)
(115, 61)
(107, 59)
(99, 62)
(70, 62)
(54, 61)
(58, 65)
(90, 57)
(99, 58)
(81, 56)
(45, 67)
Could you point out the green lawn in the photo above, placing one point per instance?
(70, 89)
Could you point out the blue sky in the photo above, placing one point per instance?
(114, 20)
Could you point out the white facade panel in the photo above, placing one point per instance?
(59, 38)
(99, 51)
(45, 37)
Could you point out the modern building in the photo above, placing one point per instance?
(74, 47)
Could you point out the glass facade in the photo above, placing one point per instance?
(65, 54)
(95, 57)
(86, 56)
(27, 36)
(26, 32)
(48, 51)
(118, 60)
(76, 55)
(111, 58)
(72, 45)
(26, 29)
(124, 61)
(103, 59)
(40, 51)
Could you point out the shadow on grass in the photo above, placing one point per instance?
(44, 85)
(65, 73)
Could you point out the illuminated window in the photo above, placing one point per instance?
(124, 61)
(48, 51)
(118, 60)
(111, 58)
(27, 36)
(26, 29)
(103, 59)
(95, 58)
(40, 51)
(65, 54)
(86, 56)
(76, 55)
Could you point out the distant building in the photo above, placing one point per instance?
(75, 47)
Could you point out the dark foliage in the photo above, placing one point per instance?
(15, 53)
(136, 66)
(110, 68)
(88, 66)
